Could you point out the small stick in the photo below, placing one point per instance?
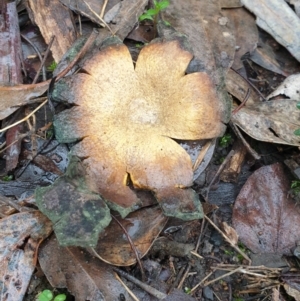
(243, 102)
(200, 283)
(250, 150)
(228, 240)
(43, 60)
(149, 289)
(38, 53)
(223, 276)
(126, 287)
(25, 118)
(98, 17)
(132, 247)
(250, 84)
(195, 254)
(222, 166)
(103, 8)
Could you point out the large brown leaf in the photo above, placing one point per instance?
(86, 277)
(127, 117)
(143, 226)
(265, 217)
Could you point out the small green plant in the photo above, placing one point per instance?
(52, 66)
(295, 186)
(7, 178)
(187, 290)
(297, 132)
(47, 295)
(226, 140)
(152, 13)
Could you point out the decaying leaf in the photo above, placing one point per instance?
(17, 256)
(86, 277)
(265, 217)
(78, 214)
(128, 117)
(143, 226)
(271, 121)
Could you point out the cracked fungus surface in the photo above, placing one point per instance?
(126, 118)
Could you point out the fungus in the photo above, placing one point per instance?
(127, 117)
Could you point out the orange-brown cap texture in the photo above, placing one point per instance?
(127, 116)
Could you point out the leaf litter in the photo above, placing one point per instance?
(265, 121)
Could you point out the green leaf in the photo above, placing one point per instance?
(297, 132)
(152, 11)
(298, 105)
(45, 295)
(155, 3)
(163, 4)
(145, 17)
(60, 297)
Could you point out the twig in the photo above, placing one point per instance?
(250, 150)
(132, 247)
(250, 84)
(223, 276)
(103, 8)
(222, 166)
(228, 240)
(101, 19)
(25, 118)
(43, 60)
(200, 283)
(201, 155)
(149, 289)
(243, 102)
(194, 253)
(38, 53)
(126, 287)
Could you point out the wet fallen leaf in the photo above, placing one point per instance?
(285, 28)
(17, 254)
(131, 114)
(86, 277)
(271, 121)
(78, 214)
(265, 217)
(143, 226)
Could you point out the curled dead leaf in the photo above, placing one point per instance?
(128, 118)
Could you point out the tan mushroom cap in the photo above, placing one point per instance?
(128, 117)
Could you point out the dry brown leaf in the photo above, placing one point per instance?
(143, 226)
(271, 121)
(13, 97)
(17, 256)
(265, 217)
(293, 292)
(86, 277)
(127, 117)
